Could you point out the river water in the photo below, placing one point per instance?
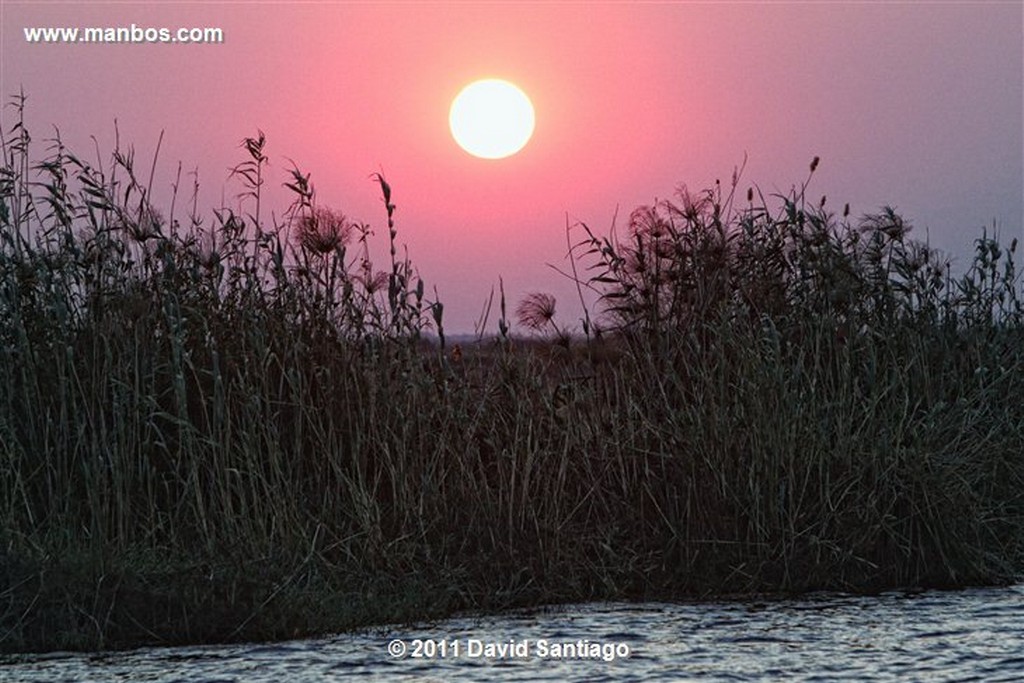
(975, 634)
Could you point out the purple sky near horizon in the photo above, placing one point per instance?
(918, 105)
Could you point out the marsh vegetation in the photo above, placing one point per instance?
(222, 427)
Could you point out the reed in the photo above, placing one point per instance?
(221, 428)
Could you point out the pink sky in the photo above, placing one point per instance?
(917, 105)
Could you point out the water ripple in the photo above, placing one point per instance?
(936, 636)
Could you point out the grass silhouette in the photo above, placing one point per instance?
(228, 430)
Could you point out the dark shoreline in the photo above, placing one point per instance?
(60, 622)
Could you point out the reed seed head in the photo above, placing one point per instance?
(324, 230)
(536, 310)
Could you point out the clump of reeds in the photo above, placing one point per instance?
(830, 404)
(218, 428)
(172, 387)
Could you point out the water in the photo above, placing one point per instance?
(935, 636)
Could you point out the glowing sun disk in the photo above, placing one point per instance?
(491, 118)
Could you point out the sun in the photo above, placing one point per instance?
(491, 119)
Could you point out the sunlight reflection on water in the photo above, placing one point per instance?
(972, 634)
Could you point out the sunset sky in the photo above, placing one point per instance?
(913, 104)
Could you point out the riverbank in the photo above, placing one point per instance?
(224, 434)
(486, 489)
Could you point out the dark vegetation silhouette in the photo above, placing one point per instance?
(219, 427)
